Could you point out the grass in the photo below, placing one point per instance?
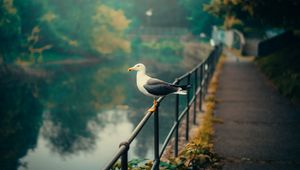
(283, 68)
(198, 154)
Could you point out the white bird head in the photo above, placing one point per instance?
(138, 67)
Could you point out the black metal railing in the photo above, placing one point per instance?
(198, 78)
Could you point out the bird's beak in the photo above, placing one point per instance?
(130, 69)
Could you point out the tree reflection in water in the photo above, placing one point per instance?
(74, 102)
(74, 106)
(68, 135)
(70, 101)
(20, 115)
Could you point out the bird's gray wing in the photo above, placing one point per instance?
(159, 88)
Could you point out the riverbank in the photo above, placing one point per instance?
(199, 152)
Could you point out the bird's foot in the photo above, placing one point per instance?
(152, 109)
(154, 102)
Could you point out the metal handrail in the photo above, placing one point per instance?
(202, 74)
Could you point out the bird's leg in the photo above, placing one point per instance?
(153, 108)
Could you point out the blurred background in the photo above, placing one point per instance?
(67, 99)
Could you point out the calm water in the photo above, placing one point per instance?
(74, 117)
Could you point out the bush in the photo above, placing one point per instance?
(283, 69)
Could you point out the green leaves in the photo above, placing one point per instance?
(199, 20)
(282, 67)
(135, 164)
(108, 26)
(195, 155)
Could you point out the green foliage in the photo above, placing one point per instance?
(198, 19)
(282, 67)
(254, 14)
(195, 155)
(228, 10)
(166, 46)
(98, 30)
(9, 20)
(285, 12)
(108, 25)
(10, 31)
(135, 164)
(166, 51)
(61, 27)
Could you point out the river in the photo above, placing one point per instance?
(75, 118)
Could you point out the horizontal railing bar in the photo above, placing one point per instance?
(191, 101)
(139, 127)
(176, 81)
(160, 99)
(117, 156)
(183, 76)
(203, 81)
(198, 91)
(195, 68)
(192, 71)
(130, 139)
(182, 114)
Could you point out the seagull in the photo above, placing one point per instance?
(154, 87)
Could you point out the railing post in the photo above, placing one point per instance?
(215, 59)
(201, 87)
(205, 78)
(124, 157)
(124, 161)
(156, 138)
(177, 123)
(188, 109)
(195, 93)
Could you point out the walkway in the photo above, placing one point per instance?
(261, 130)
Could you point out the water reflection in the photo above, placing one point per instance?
(20, 116)
(76, 115)
(118, 128)
(67, 116)
(67, 137)
(73, 102)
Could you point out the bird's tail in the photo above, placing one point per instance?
(182, 89)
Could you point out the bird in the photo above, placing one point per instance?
(154, 87)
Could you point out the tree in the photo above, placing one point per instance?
(198, 19)
(257, 13)
(67, 28)
(88, 28)
(108, 25)
(10, 31)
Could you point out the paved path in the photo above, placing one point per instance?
(261, 130)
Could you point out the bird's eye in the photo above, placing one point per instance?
(138, 66)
